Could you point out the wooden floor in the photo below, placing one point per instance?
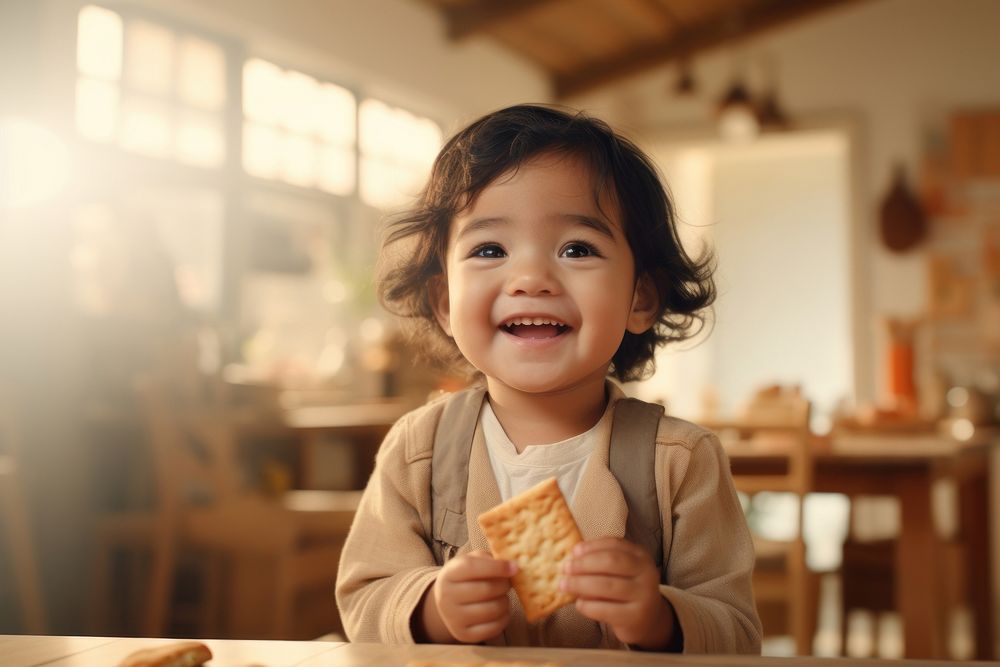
(861, 638)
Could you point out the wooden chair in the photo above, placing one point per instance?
(202, 507)
(868, 582)
(16, 525)
(770, 451)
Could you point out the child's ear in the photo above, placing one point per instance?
(440, 303)
(645, 306)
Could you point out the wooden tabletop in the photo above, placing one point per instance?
(29, 651)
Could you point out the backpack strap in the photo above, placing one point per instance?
(450, 464)
(632, 459)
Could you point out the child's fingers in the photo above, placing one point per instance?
(480, 589)
(616, 561)
(484, 611)
(478, 565)
(603, 611)
(488, 630)
(608, 544)
(599, 587)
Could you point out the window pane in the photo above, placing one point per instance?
(200, 140)
(335, 114)
(99, 43)
(262, 90)
(376, 188)
(96, 109)
(149, 57)
(260, 150)
(145, 127)
(398, 149)
(336, 170)
(374, 124)
(201, 76)
(300, 93)
(299, 161)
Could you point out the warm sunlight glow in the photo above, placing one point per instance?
(145, 127)
(99, 43)
(298, 130)
(149, 58)
(335, 114)
(201, 74)
(96, 109)
(34, 164)
(299, 93)
(199, 140)
(336, 171)
(261, 91)
(260, 150)
(298, 164)
(397, 150)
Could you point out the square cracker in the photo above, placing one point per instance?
(536, 530)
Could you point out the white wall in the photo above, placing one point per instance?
(897, 67)
(774, 212)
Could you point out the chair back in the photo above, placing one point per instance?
(15, 521)
(192, 447)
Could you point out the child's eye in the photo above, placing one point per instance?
(579, 249)
(489, 251)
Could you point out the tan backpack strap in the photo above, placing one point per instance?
(632, 459)
(450, 466)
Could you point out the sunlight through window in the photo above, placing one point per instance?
(99, 47)
(201, 74)
(397, 151)
(149, 58)
(298, 130)
(150, 89)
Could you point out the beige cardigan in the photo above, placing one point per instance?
(387, 564)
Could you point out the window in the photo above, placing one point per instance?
(150, 89)
(297, 129)
(397, 151)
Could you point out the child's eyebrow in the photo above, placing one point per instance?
(598, 225)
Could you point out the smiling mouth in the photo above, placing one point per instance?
(534, 327)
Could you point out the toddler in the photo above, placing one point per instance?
(543, 257)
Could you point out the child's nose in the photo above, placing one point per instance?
(532, 277)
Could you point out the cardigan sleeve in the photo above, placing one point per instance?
(386, 564)
(710, 556)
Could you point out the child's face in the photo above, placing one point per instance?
(540, 280)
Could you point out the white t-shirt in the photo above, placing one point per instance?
(563, 460)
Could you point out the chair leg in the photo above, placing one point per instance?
(15, 519)
(161, 585)
(100, 592)
(284, 593)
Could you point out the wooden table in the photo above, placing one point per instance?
(29, 651)
(906, 467)
(364, 424)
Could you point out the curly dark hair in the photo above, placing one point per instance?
(415, 242)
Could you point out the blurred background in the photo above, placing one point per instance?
(195, 372)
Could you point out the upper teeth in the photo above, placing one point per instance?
(531, 320)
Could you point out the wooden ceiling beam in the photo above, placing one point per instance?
(755, 19)
(474, 18)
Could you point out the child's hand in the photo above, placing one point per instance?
(616, 582)
(469, 597)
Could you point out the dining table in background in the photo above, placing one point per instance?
(906, 467)
(362, 425)
(53, 651)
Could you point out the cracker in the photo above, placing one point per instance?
(174, 654)
(536, 530)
